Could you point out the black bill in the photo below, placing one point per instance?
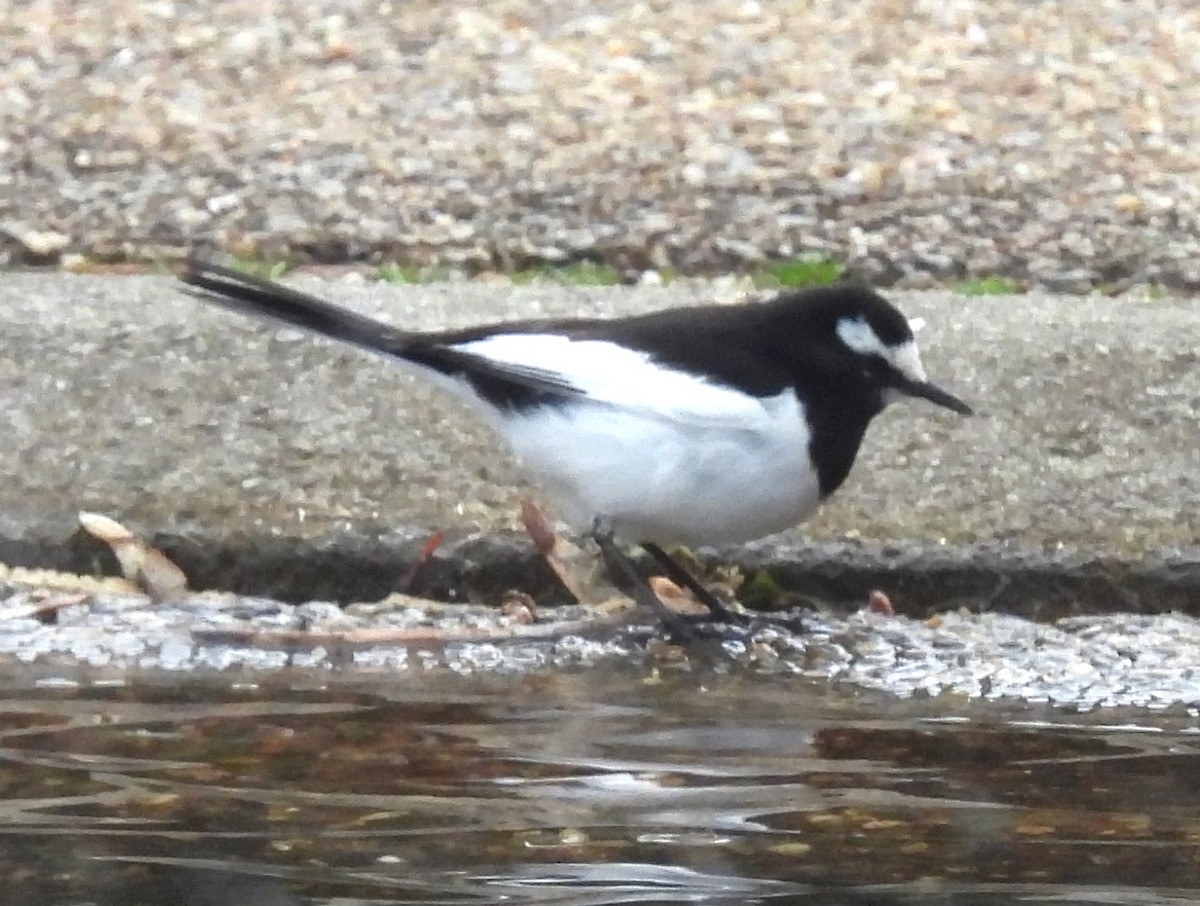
(935, 394)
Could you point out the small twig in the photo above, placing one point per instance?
(312, 638)
(47, 609)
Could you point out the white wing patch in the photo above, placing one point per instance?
(622, 377)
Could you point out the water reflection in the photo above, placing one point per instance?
(602, 786)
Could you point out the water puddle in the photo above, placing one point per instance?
(618, 783)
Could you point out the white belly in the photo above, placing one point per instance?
(660, 480)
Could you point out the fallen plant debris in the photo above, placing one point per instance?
(42, 594)
(148, 573)
(45, 603)
(432, 543)
(148, 568)
(583, 574)
(520, 607)
(55, 580)
(351, 638)
(677, 599)
(878, 602)
(400, 620)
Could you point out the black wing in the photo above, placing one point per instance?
(509, 386)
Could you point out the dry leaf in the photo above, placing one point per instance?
(580, 572)
(46, 603)
(54, 580)
(879, 602)
(142, 564)
(533, 517)
(677, 599)
(432, 543)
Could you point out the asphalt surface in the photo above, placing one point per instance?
(267, 461)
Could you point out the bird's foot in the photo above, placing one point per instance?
(680, 627)
(717, 609)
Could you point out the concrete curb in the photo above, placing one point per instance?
(271, 464)
(920, 580)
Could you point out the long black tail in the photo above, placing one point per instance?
(266, 299)
(501, 384)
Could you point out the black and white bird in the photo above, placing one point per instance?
(703, 425)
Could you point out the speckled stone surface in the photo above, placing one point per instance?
(1051, 143)
(124, 397)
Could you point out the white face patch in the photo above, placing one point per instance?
(905, 359)
(858, 335)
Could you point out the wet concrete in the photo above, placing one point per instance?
(1079, 663)
(265, 461)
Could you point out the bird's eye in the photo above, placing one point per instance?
(875, 367)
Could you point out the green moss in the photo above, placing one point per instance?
(989, 286)
(762, 592)
(262, 267)
(799, 272)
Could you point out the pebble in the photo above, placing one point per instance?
(37, 244)
(694, 137)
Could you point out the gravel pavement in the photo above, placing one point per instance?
(1053, 143)
(124, 397)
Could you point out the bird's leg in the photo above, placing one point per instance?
(677, 625)
(680, 576)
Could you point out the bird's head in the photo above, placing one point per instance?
(871, 338)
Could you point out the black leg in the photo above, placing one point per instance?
(680, 576)
(677, 625)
